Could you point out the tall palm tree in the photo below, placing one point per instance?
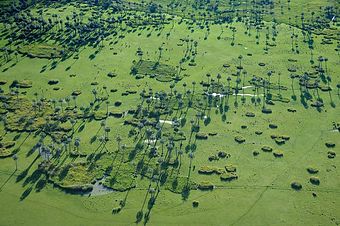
(94, 92)
(162, 141)
(269, 74)
(107, 130)
(15, 158)
(218, 82)
(208, 76)
(77, 143)
(240, 57)
(74, 97)
(193, 87)
(191, 157)
(119, 140)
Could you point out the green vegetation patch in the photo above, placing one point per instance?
(43, 51)
(210, 170)
(205, 185)
(228, 176)
(179, 184)
(161, 72)
(4, 153)
(121, 181)
(74, 177)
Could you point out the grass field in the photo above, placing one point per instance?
(169, 113)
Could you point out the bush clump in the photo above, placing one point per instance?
(230, 168)
(53, 82)
(213, 158)
(111, 75)
(291, 110)
(278, 153)
(76, 93)
(296, 185)
(330, 144)
(222, 154)
(280, 141)
(118, 103)
(5, 153)
(24, 84)
(116, 114)
(312, 170)
(267, 111)
(205, 185)
(267, 149)
(256, 153)
(331, 154)
(315, 180)
(201, 136)
(210, 170)
(240, 139)
(195, 203)
(273, 126)
(250, 114)
(228, 176)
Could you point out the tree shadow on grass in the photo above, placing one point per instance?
(4, 184)
(24, 173)
(26, 193)
(35, 176)
(40, 184)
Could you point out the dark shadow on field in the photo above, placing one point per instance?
(151, 204)
(4, 184)
(26, 193)
(34, 177)
(24, 173)
(19, 147)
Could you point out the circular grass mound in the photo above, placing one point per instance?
(331, 154)
(240, 139)
(312, 170)
(205, 186)
(330, 144)
(228, 176)
(278, 154)
(267, 149)
(315, 180)
(195, 203)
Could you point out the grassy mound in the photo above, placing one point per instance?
(179, 184)
(120, 181)
(210, 170)
(230, 168)
(315, 180)
(161, 72)
(228, 176)
(4, 153)
(278, 153)
(267, 149)
(312, 170)
(205, 185)
(296, 185)
(240, 139)
(74, 177)
(43, 51)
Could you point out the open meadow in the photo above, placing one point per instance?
(169, 112)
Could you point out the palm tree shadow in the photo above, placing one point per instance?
(24, 173)
(26, 193)
(4, 184)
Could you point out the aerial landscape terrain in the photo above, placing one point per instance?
(169, 112)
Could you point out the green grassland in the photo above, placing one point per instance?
(179, 118)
